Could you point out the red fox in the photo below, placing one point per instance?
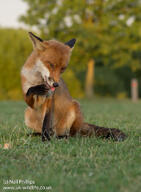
(43, 88)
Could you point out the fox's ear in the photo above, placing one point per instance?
(71, 43)
(36, 41)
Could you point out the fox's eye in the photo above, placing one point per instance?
(51, 64)
(63, 69)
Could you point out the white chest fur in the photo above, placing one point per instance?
(35, 75)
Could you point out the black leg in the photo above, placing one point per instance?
(46, 127)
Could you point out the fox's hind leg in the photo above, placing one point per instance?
(78, 122)
(64, 124)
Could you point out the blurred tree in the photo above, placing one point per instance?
(89, 79)
(108, 31)
(14, 49)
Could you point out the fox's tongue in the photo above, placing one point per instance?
(52, 88)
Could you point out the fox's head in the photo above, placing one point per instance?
(52, 58)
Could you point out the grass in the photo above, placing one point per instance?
(77, 164)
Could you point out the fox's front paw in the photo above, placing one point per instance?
(38, 90)
(117, 135)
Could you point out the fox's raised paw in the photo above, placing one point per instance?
(37, 90)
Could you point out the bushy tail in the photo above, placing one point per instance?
(107, 133)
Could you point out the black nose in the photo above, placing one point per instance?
(55, 84)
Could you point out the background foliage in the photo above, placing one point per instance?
(14, 49)
(107, 31)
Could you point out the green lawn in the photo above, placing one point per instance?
(76, 164)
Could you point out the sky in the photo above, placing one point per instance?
(10, 10)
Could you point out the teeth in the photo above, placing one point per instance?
(47, 85)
